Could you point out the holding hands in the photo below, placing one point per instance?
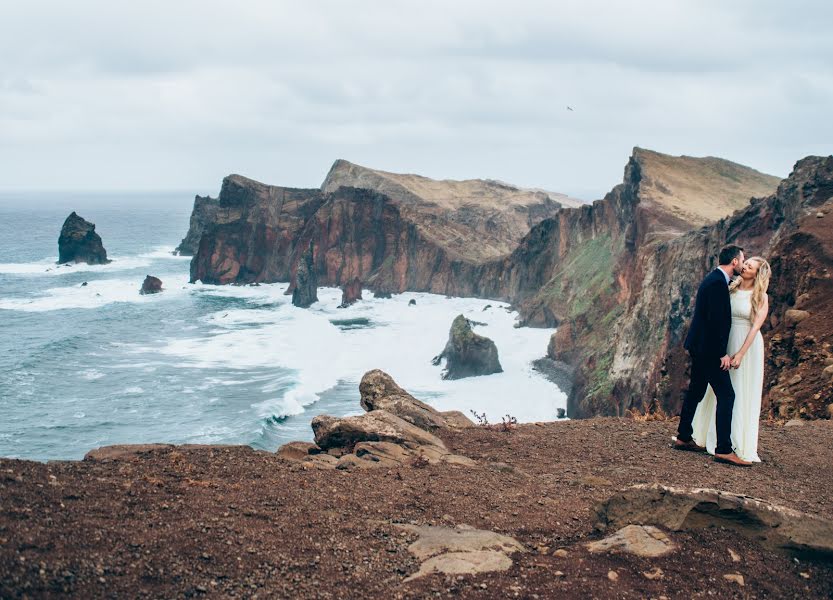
(736, 360)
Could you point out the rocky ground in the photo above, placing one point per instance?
(232, 521)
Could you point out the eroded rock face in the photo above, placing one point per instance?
(203, 215)
(468, 354)
(305, 292)
(682, 509)
(151, 285)
(351, 292)
(380, 392)
(79, 243)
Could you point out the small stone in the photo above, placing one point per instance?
(794, 380)
(561, 553)
(819, 215)
(613, 575)
(828, 370)
(794, 316)
(734, 578)
(559, 574)
(805, 575)
(830, 411)
(653, 574)
(794, 423)
(828, 361)
(735, 556)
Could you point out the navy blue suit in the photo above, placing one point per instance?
(706, 342)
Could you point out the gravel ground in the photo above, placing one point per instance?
(234, 522)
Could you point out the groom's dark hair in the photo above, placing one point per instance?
(728, 254)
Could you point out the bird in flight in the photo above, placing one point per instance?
(570, 108)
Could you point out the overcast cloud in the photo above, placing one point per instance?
(178, 94)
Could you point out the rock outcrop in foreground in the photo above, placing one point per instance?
(396, 431)
(79, 243)
(467, 354)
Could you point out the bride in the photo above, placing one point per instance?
(750, 305)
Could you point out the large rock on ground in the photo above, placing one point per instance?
(380, 392)
(468, 354)
(376, 426)
(641, 540)
(151, 285)
(305, 292)
(351, 292)
(80, 243)
(775, 526)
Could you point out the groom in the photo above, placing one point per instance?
(706, 342)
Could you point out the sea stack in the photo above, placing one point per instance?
(351, 292)
(151, 285)
(306, 281)
(468, 354)
(80, 243)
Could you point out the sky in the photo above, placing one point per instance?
(153, 95)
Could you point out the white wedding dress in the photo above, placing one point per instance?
(748, 382)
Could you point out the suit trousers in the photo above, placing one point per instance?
(706, 371)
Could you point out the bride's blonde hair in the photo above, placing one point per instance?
(759, 287)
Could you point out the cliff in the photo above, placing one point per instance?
(395, 232)
(202, 215)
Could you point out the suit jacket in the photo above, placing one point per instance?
(708, 336)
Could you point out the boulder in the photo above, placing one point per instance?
(351, 292)
(680, 509)
(80, 243)
(375, 426)
(641, 540)
(468, 354)
(380, 392)
(298, 450)
(125, 451)
(384, 294)
(305, 292)
(151, 285)
(411, 302)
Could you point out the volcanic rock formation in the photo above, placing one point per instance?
(151, 285)
(466, 353)
(351, 292)
(203, 215)
(394, 232)
(80, 243)
(305, 292)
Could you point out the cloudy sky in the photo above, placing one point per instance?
(176, 94)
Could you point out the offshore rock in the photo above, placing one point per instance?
(79, 243)
(151, 285)
(468, 354)
(380, 392)
(351, 292)
(203, 214)
(305, 292)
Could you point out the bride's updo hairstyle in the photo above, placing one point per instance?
(760, 286)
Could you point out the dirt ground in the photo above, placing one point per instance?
(235, 522)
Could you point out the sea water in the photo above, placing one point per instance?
(83, 366)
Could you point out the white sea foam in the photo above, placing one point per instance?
(92, 374)
(95, 294)
(400, 340)
(164, 252)
(47, 266)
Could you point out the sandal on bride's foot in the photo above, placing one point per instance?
(689, 446)
(732, 459)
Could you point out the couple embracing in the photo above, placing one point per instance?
(722, 406)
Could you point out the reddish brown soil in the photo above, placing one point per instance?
(225, 522)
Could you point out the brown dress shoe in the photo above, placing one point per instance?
(689, 446)
(732, 459)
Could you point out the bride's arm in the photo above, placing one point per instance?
(750, 337)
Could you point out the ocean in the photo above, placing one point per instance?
(83, 366)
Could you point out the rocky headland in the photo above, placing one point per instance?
(407, 502)
(616, 277)
(79, 243)
(203, 214)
